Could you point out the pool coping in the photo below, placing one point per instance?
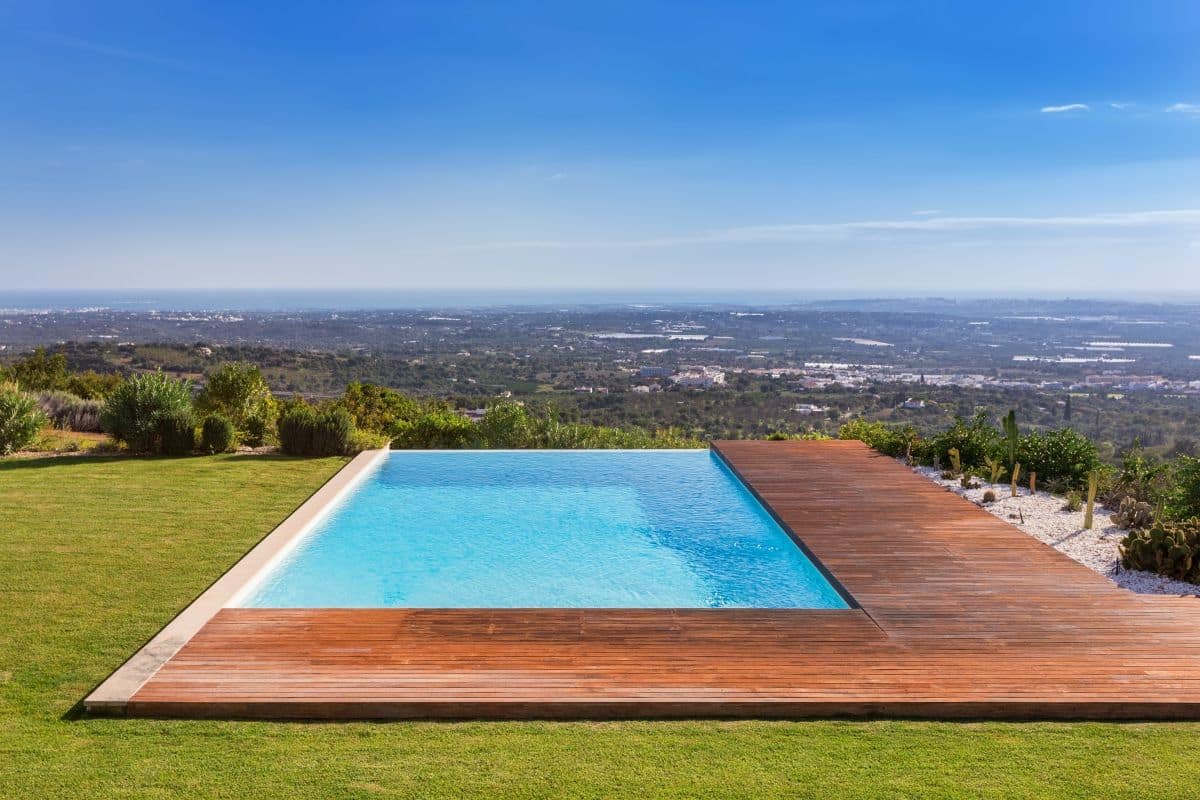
(114, 693)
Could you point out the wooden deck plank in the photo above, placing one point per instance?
(959, 615)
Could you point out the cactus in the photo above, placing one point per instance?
(995, 468)
(1133, 514)
(1012, 436)
(989, 497)
(1016, 474)
(1093, 485)
(1032, 483)
(1167, 548)
(955, 460)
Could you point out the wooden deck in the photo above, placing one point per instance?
(959, 615)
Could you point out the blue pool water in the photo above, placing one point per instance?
(548, 529)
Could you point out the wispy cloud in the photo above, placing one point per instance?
(1068, 107)
(112, 51)
(926, 212)
(1186, 219)
(1184, 108)
(1120, 106)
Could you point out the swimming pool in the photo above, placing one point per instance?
(546, 529)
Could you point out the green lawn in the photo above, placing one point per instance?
(97, 554)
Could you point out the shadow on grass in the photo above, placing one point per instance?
(42, 462)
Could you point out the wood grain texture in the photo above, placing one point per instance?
(959, 615)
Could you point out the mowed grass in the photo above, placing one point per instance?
(97, 554)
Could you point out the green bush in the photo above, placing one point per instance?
(974, 439)
(92, 385)
(368, 440)
(377, 408)
(296, 423)
(238, 392)
(20, 419)
(1062, 457)
(1183, 502)
(1167, 548)
(1139, 477)
(507, 425)
(217, 435)
(807, 436)
(133, 412)
(435, 430)
(887, 439)
(177, 432)
(307, 431)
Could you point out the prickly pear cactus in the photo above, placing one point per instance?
(1168, 548)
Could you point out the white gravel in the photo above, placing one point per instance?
(1045, 519)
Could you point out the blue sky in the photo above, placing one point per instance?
(878, 146)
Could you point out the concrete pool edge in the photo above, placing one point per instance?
(113, 694)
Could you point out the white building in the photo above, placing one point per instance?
(699, 377)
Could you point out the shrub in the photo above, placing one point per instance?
(507, 425)
(1167, 548)
(368, 440)
(38, 372)
(1074, 501)
(1133, 514)
(887, 439)
(439, 429)
(807, 436)
(1063, 457)
(377, 408)
(93, 385)
(296, 423)
(238, 391)
(217, 435)
(177, 432)
(974, 440)
(259, 430)
(333, 432)
(1139, 477)
(1183, 501)
(135, 409)
(68, 412)
(307, 431)
(20, 419)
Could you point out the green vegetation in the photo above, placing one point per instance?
(237, 392)
(140, 411)
(70, 412)
(20, 418)
(1062, 458)
(99, 553)
(308, 431)
(1168, 548)
(39, 372)
(217, 434)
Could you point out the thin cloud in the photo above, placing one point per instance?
(926, 212)
(1120, 106)
(112, 51)
(1184, 108)
(1187, 218)
(1068, 107)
